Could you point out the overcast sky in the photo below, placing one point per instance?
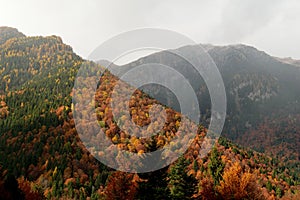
(269, 25)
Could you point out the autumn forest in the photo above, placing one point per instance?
(43, 157)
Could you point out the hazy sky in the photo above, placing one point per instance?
(269, 25)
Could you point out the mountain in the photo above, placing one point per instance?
(22, 57)
(8, 33)
(262, 95)
(289, 60)
(42, 156)
(36, 76)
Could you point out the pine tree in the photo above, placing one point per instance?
(278, 192)
(181, 186)
(216, 166)
(269, 186)
(153, 185)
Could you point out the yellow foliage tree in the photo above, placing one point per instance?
(237, 184)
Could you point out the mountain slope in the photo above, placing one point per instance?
(22, 58)
(260, 91)
(40, 147)
(36, 76)
(7, 33)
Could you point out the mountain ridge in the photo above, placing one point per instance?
(7, 33)
(258, 87)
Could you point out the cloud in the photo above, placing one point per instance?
(240, 19)
(84, 24)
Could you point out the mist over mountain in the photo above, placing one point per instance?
(260, 90)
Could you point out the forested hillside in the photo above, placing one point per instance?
(263, 97)
(42, 156)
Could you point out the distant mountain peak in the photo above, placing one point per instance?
(289, 60)
(7, 33)
(106, 63)
(8, 29)
(241, 47)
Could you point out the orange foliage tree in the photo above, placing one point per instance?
(207, 189)
(122, 186)
(237, 184)
(28, 191)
